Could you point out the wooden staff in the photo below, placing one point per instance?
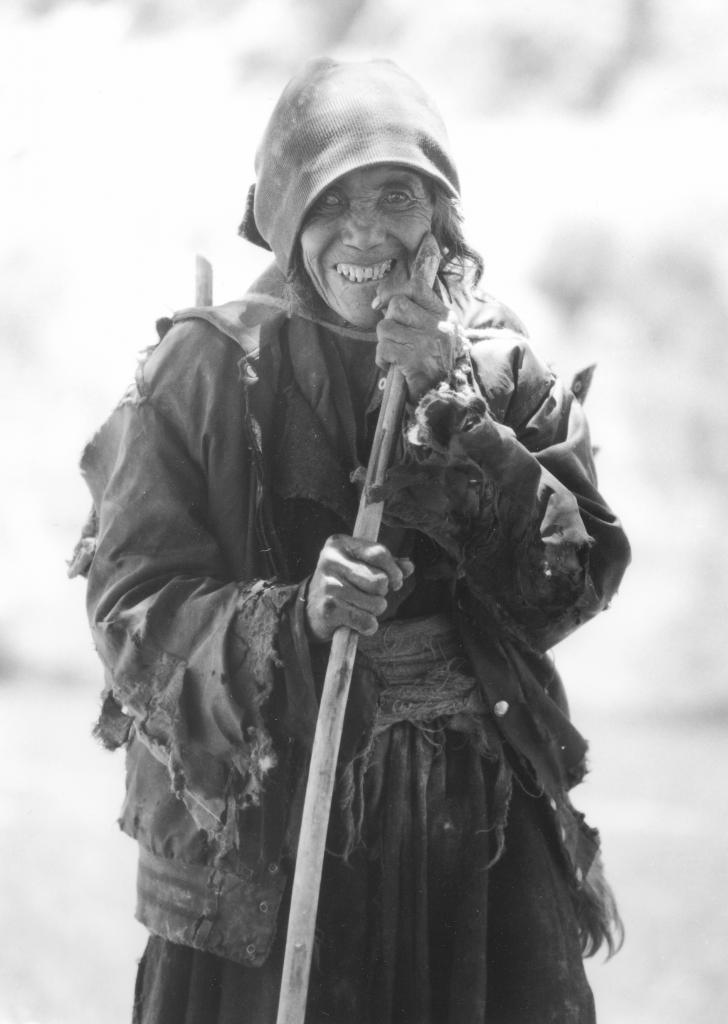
(203, 281)
(327, 738)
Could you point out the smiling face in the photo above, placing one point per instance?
(364, 228)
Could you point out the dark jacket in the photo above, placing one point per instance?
(197, 622)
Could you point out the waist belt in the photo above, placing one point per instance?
(425, 671)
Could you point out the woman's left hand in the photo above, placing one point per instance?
(419, 334)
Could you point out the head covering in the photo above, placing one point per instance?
(333, 118)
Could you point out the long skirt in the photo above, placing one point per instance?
(416, 926)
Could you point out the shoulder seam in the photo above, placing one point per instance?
(246, 338)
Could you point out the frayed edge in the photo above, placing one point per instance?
(113, 727)
(502, 795)
(83, 553)
(350, 801)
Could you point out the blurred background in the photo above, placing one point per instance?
(591, 138)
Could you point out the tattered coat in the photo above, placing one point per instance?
(196, 617)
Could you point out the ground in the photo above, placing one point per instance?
(68, 879)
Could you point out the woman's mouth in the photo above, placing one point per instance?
(356, 273)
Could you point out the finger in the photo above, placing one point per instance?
(344, 593)
(395, 345)
(326, 616)
(404, 345)
(361, 622)
(356, 576)
(407, 311)
(350, 560)
(424, 360)
(417, 291)
(407, 566)
(375, 556)
(437, 336)
(404, 311)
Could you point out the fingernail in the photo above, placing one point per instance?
(376, 302)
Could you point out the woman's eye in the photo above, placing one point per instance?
(330, 201)
(397, 198)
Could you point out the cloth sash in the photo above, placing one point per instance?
(425, 672)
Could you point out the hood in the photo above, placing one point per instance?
(333, 118)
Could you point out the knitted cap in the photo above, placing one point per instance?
(333, 118)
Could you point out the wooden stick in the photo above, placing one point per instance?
(203, 281)
(327, 738)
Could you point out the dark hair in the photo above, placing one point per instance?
(459, 259)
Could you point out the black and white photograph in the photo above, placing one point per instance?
(363, 629)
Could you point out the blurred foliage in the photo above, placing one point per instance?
(672, 302)
(106, 93)
(667, 311)
(582, 55)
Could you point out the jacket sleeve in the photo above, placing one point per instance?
(552, 553)
(188, 636)
(498, 469)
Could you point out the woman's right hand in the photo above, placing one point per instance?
(350, 584)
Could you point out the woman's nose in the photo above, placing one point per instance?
(363, 228)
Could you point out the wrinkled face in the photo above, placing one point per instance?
(365, 228)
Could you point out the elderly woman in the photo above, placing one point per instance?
(459, 884)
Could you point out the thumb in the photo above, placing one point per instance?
(426, 261)
(422, 272)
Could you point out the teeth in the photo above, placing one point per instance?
(356, 274)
